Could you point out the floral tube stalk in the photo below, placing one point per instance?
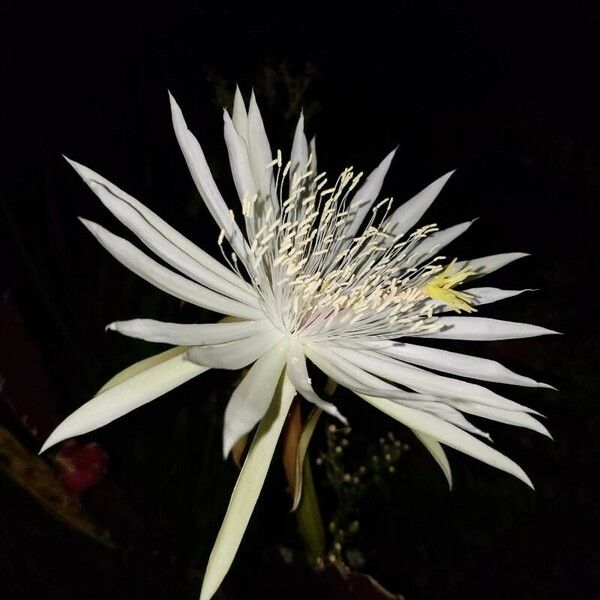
(319, 269)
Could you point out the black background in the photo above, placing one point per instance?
(504, 92)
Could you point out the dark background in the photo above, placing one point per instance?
(505, 92)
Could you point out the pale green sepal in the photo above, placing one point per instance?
(436, 450)
(247, 488)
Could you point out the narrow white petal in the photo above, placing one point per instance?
(488, 264)
(238, 354)
(162, 227)
(313, 151)
(298, 374)
(259, 151)
(487, 295)
(509, 417)
(196, 162)
(240, 116)
(433, 244)
(455, 363)
(299, 154)
(166, 280)
(356, 379)
(366, 195)
(246, 491)
(188, 334)
(245, 184)
(405, 217)
(483, 329)
(423, 381)
(252, 397)
(169, 252)
(122, 398)
(436, 450)
(448, 413)
(448, 434)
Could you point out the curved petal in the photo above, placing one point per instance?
(405, 217)
(488, 264)
(487, 295)
(196, 162)
(252, 397)
(448, 434)
(508, 417)
(166, 280)
(238, 354)
(162, 227)
(298, 375)
(356, 379)
(187, 335)
(124, 397)
(240, 116)
(366, 195)
(454, 363)
(433, 244)
(259, 151)
(484, 329)
(436, 450)
(169, 252)
(246, 491)
(425, 382)
(239, 162)
(299, 153)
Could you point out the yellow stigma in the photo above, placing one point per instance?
(440, 288)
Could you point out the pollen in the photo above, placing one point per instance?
(441, 288)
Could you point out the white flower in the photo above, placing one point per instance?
(324, 270)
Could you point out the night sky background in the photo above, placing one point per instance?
(504, 92)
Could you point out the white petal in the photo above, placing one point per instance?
(239, 161)
(483, 329)
(196, 162)
(455, 363)
(168, 251)
(299, 154)
(450, 414)
(437, 452)
(423, 381)
(122, 398)
(487, 295)
(356, 379)
(187, 334)
(238, 354)
(313, 151)
(433, 244)
(448, 434)
(252, 397)
(246, 491)
(405, 217)
(259, 151)
(240, 116)
(509, 417)
(166, 280)
(488, 264)
(366, 195)
(172, 235)
(298, 375)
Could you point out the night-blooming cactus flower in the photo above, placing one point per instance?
(320, 268)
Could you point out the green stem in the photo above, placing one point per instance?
(310, 524)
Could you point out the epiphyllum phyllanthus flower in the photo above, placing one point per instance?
(325, 270)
